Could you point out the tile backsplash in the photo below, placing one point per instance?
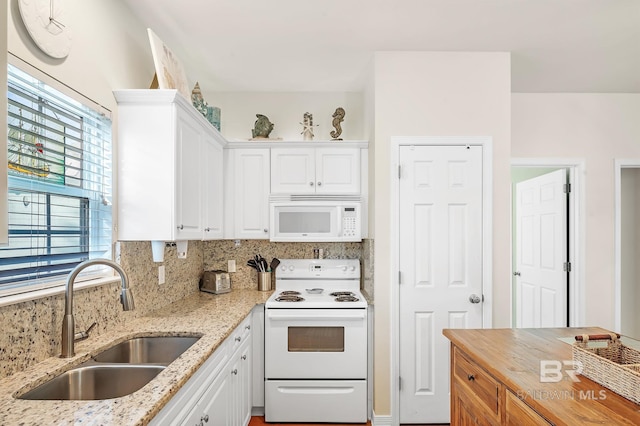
(31, 330)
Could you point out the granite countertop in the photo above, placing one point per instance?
(212, 316)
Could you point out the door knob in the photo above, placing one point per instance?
(475, 298)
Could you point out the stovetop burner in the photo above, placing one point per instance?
(341, 293)
(289, 293)
(289, 298)
(345, 298)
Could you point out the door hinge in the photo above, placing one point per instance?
(566, 188)
(399, 171)
(567, 266)
(399, 277)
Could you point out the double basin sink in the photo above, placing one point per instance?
(117, 371)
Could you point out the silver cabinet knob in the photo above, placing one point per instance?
(244, 357)
(238, 338)
(207, 229)
(516, 274)
(319, 183)
(181, 227)
(247, 327)
(475, 298)
(265, 230)
(234, 371)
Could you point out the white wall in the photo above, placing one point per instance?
(434, 94)
(285, 111)
(597, 128)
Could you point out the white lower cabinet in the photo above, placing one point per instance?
(219, 393)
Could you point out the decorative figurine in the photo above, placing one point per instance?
(338, 117)
(307, 126)
(197, 100)
(212, 114)
(262, 127)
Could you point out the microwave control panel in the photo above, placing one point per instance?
(349, 222)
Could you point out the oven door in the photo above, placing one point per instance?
(315, 344)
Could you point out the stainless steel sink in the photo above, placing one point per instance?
(147, 350)
(115, 372)
(96, 382)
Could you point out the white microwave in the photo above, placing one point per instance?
(312, 220)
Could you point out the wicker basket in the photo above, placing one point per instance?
(614, 366)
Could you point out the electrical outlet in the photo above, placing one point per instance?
(231, 266)
(161, 274)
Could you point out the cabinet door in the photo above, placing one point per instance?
(213, 190)
(251, 192)
(214, 408)
(189, 179)
(293, 171)
(337, 170)
(466, 409)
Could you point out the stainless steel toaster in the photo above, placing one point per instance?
(216, 282)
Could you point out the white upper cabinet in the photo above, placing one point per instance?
(327, 170)
(169, 169)
(247, 193)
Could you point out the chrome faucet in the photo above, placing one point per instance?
(68, 322)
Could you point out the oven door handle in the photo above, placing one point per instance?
(281, 316)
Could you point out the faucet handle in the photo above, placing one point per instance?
(81, 335)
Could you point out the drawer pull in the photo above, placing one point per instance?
(471, 377)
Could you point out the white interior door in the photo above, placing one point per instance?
(440, 264)
(541, 251)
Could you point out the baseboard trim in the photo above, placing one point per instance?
(381, 420)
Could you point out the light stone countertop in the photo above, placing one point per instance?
(212, 316)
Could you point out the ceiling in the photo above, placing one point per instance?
(328, 45)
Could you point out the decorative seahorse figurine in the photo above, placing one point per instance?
(338, 117)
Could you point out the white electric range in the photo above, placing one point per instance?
(316, 343)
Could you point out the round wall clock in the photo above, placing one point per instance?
(43, 21)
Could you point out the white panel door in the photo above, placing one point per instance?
(541, 251)
(440, 263)
(338, 170)
(293, 171)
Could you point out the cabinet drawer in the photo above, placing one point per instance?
(519, 413)
(477, 380)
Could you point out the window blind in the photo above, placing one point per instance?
(59, 184)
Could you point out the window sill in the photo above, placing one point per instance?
(54, 291)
